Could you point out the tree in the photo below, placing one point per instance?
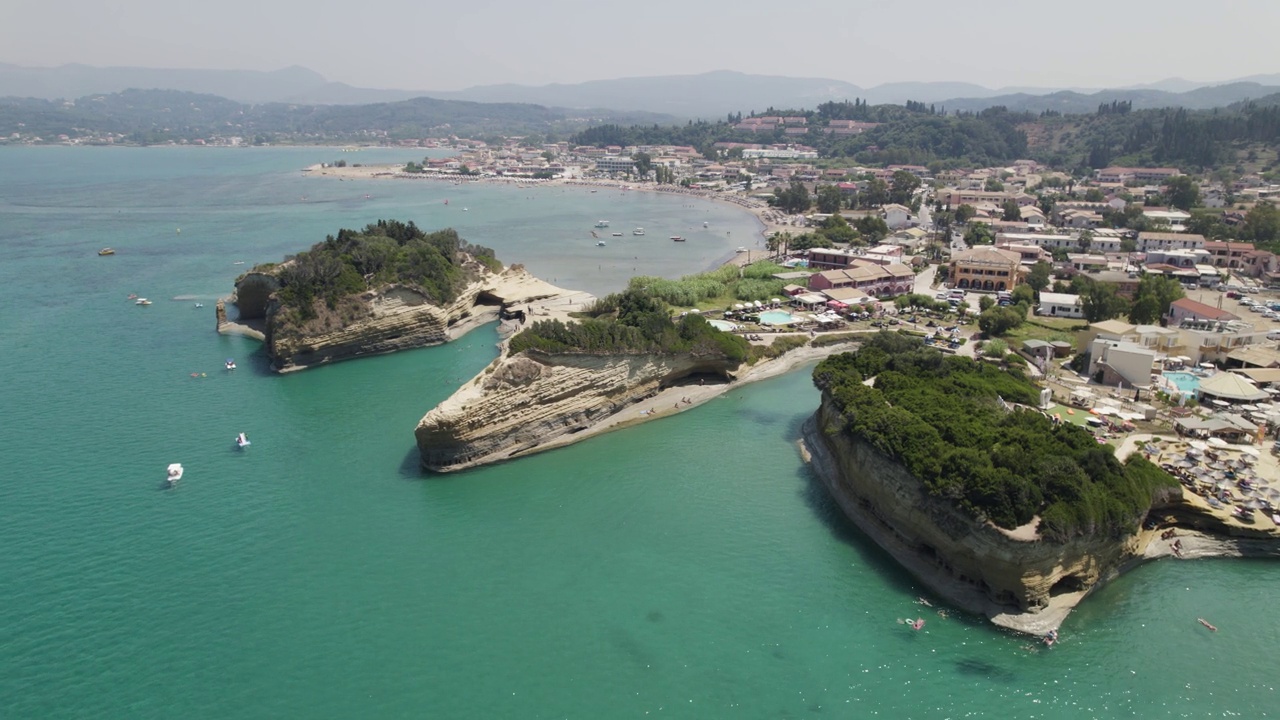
(1183, 192)
(1024, 296)
(837, 230)
(902, 187)
(873, 228)
(1084, 241)
(1154, 295)
(1100, 302)
(1094, 195)
(829, 199)
(986, 302)
(979, 234)
(993, 185)
(876, 194)
(1262, 224)
(997, 321)
(795, 199)
(644, 164)
(1145, 310)
(1012, 213)
(1039, 276)
(965, 213)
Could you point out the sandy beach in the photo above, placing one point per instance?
(771, 220)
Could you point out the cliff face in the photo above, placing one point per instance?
(390, 318)
(522, 404)
(393, 318)
(1012, 577)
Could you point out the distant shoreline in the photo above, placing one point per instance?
(762, 213)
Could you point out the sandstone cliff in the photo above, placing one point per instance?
(1012, 577)
(533, 400)
(390, 318)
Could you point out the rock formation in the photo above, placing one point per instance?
(533, 400)
(386, 319)
(1012, 577)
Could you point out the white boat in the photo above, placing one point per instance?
(199, 305)
(242, 441)
(704, 223)
(602, 224)
(142, 301)
(616, 234)
(638, 231)
(175, 473)
(741, 250)
(231, 364)
(600, 243)
(677, 238)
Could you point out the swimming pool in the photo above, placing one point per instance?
(1184, 381)
(723, 325)
(777, 317)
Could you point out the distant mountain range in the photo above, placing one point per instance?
(707, 95)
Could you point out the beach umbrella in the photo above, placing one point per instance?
(1217, 442)
(1250, 452)
(759, 304)
(1198, 445)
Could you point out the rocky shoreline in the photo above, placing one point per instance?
(1013, 578)
(528, 403)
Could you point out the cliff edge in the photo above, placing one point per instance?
(529, 401)
(386, 319)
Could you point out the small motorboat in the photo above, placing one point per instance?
(677, 238)
(602, 223)
(106, 251)
(231, 364)
(638, 231)
(741, 250)
(616, 234)
(142, 301)
(242, 441)
(175, 474)
(199, 305)
(599, 243)
(705, 223)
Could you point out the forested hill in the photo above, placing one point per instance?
(910, 134)
(153, 116)
(926, 135)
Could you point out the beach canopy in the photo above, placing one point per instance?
(1217, 442)
(1251, 452)
(1231, 387)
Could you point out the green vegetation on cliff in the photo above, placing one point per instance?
(439, 264)
(632, 321)
(946, 419)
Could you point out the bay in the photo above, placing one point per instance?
(690, 567)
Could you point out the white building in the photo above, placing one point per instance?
(1121, 362)
(1060, 305)
(896, 216)
(615, 164)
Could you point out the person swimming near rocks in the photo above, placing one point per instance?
(1050, 638)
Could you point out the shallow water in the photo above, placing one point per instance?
(688, 567)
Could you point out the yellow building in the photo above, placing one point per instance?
(985, 268)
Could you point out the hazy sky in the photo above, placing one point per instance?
(430, 45)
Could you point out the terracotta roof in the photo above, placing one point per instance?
(1202, 310)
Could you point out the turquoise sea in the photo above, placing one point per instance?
(687, 568)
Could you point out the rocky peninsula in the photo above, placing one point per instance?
(1021, 548)
(388, 287)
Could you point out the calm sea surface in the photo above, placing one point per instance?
(690, 567)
